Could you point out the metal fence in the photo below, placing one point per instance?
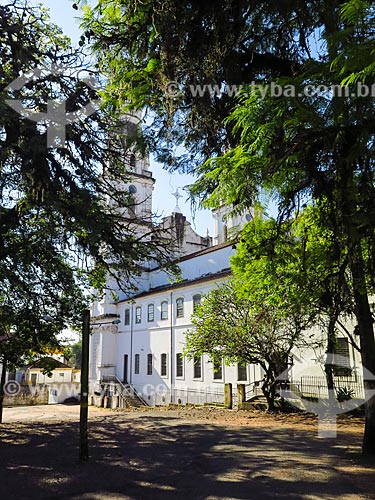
(316, 387)
(186, 396)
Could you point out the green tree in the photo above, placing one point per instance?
(301, 146)
(245, 329)
(63, 220)
(74, 354)
(287, 278)
(319, 147)
(298, 266)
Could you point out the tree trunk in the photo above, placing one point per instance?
(270, 396)
(269, 390)
(328, 367)
(2, 393)
(353, 225)
(366, 333)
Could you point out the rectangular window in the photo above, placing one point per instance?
(341, 358)
(197, 367)
(163, 370)
(138, 315)
(149, 364)
(218, 371)
(241, 372)
(180, 307)
(127, 317)
(179, 365)
(136, 364)
(164, 310)
(150, 312)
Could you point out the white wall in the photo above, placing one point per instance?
(167, 336)
(59, 375)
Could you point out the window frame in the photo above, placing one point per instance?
(180, 302)
(149, 364)
(132, 161)
(151, 307)
(179, 364)
(195, 302)
(127, 316)
(242, 367)
(164, 311)
(197, 365)
(163, 364)
(216, 372)
(342, 349)
(137, 363)
(138, 317)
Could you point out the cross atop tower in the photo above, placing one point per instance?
(177, 195)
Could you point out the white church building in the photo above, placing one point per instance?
(137, 340)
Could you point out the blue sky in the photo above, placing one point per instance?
(63, 14)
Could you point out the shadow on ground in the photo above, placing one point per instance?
(155, 458)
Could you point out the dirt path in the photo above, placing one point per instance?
(42, 413)
(181, 454)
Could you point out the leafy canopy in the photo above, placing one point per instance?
(64, 223)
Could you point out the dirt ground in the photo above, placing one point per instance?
(193, 453)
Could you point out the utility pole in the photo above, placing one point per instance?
(83, 444)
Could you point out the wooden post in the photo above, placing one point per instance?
(2, 384)
(240, 396)
(228, 400)
(83, 444)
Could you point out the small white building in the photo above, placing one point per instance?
(62, 382)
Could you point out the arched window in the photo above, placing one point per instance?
(197, 367)
(241, 372)
(164, 310)
(138, 315)
(150, 312)
(179, 365)
(196, 301)
(180, 307)
(127, 317)
(218, 370)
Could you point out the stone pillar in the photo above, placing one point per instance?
(241, 395)
(228, 400)
(98, 401)
(105, 402)
(115, 402)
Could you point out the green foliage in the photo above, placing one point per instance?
(344, 394)
(298, 265)
(74, 354)
(142, 46)
(287, 278)
(63, 222)
(238, 328)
